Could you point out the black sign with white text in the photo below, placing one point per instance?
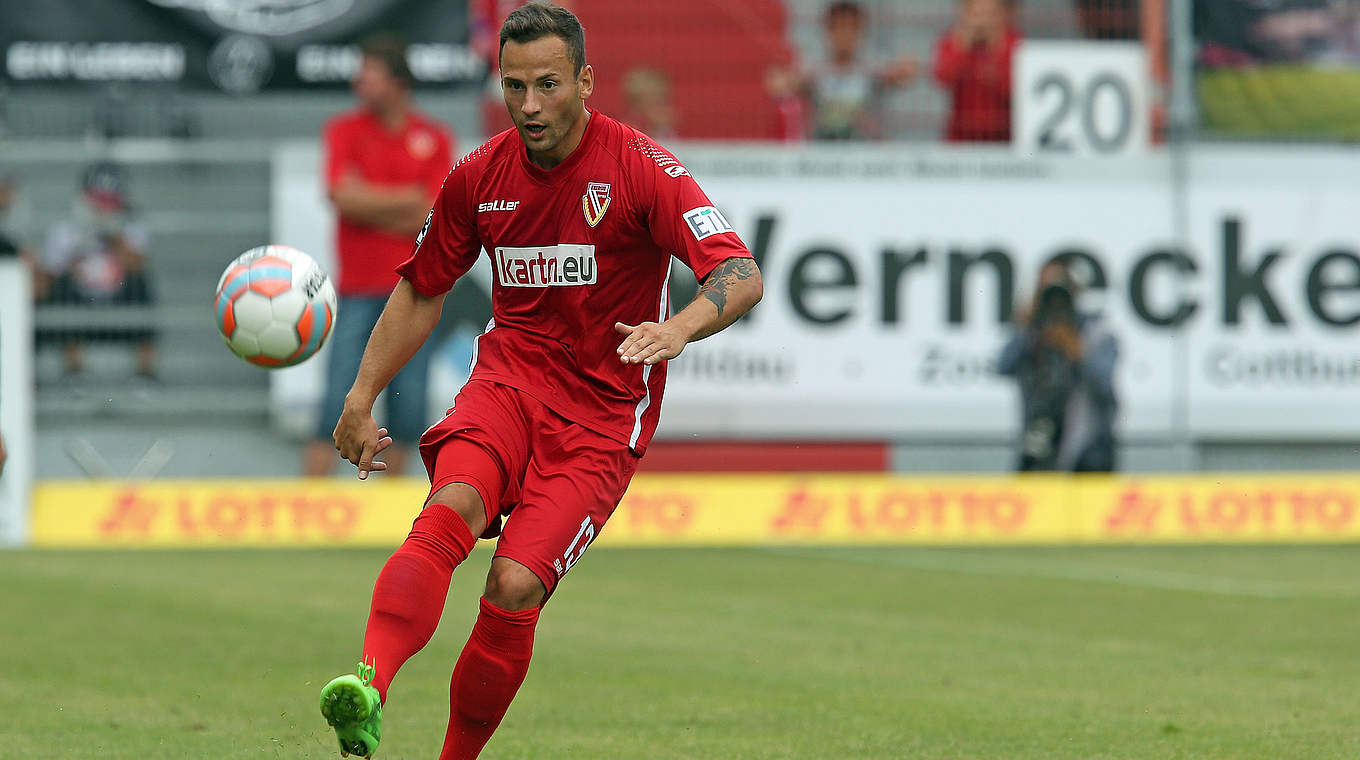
(240, 46)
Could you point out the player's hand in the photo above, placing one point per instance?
(649, 342)
(359, 440)
(2, 454)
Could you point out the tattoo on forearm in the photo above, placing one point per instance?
(728, 273)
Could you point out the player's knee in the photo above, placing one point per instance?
(512, 586)
(463, 499)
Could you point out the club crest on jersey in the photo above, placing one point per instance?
(595, 202)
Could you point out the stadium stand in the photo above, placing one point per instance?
(197, 205)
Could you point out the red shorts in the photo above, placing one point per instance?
(556, 482)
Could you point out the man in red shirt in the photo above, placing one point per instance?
(973, 62)
(384, 163)
(580, 215)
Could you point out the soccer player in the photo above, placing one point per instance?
(580, 215)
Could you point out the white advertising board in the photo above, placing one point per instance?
(1275, 340)
(890, 276)
(883, 295)
(887, 301)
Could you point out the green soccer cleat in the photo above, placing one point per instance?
(354, 710)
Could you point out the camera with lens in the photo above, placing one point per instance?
(1055, 306)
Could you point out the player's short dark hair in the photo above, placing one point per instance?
(842, 8)
(542, 19)
(390, 51)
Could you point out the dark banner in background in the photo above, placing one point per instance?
(1286, 69)
(236, 46)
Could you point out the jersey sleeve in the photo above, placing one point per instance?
(448, 245)
(682, 220)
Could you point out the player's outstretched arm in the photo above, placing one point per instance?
(729, 291)
(406, 321)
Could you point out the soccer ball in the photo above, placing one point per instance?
(275, 306)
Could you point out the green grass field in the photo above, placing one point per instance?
(752, 653)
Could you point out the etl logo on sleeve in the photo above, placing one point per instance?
(705, 221)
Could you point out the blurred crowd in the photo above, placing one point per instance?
(839, 97)
(840, 93)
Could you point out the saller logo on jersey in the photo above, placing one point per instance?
(705, 221)
(543, 266)
(595, 202)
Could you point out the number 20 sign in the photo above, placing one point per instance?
(1080, 98)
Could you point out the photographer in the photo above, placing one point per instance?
(1064, 363)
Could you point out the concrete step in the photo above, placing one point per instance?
(184, 360)
(129, 401)
(186, 448)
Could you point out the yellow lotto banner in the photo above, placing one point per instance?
(714, 510)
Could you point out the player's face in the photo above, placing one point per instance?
(546, 96)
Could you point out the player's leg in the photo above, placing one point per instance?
(567, 496)
(495, 659)
(408, 599)
(470, 457)
(474, 456)
(409, 594)
(354, 320)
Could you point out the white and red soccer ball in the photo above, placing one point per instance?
(275, 306)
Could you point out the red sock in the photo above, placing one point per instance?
(408, 597)
(488, 674)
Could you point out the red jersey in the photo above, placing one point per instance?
(417, 154)
(574, 249)
(979, 80)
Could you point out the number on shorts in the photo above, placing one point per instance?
(578, 545)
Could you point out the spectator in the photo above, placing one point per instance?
(8, 247)
(97, 257)
(647, 94)
(1064, 363)
(385, 162)
(846, 91)
(14, 213)
(973, 62)
(10, 238)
